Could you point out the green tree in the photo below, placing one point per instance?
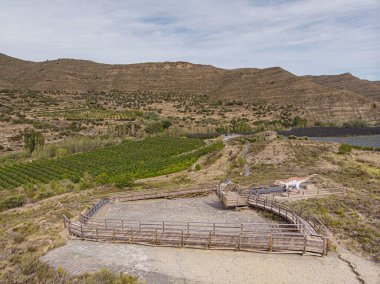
(32, 139)
(299, 121)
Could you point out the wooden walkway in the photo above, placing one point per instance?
(299, 236)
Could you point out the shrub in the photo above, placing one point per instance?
(102, 178)
(122, 180)
(299, 121)
(345, 149)
(241, 161)
(61, 152)
(12, 202)
(356, 123)
(86, 181)
(29, 264)
(106, 276)
(292, 137)
(44, 194)
(197, 167)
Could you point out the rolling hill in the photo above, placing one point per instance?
(323, 97)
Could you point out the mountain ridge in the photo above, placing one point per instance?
(329, 95)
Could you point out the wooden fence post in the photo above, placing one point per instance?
(113, 235)
(209, 239)
(325, 246)
(81, 232)
(155, 237)
(182, 239)
(305, 244)
(131, 239)
(270, 243)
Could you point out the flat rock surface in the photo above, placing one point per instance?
(172, 265)
(201, 209)
(175, 265)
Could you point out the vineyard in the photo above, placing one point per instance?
(94, 114)
(141, 159)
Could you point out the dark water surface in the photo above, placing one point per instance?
(367, 141)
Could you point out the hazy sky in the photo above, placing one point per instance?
(304, 37)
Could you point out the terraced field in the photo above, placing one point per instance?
(94, 114)
(149, 157)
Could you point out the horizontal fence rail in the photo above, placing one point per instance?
(163, 194)
(251, 241)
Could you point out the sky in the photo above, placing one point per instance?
(302, 36)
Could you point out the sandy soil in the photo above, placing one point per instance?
(275, 152)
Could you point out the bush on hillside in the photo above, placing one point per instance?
(345, 149)
(12, 202)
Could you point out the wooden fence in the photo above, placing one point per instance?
(92, 211)
(304, 234)
(163, 194)
(198, 236)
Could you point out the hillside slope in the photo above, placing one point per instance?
(251, 85)
(348, 82)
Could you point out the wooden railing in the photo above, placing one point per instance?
(304, 233)
(83, 218)
(163, 194)
(203, 236)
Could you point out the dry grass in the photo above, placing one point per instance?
(29, 232)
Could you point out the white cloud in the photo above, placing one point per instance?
(305, 37)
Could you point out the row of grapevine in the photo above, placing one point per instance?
(146, 158)
(94, 114)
